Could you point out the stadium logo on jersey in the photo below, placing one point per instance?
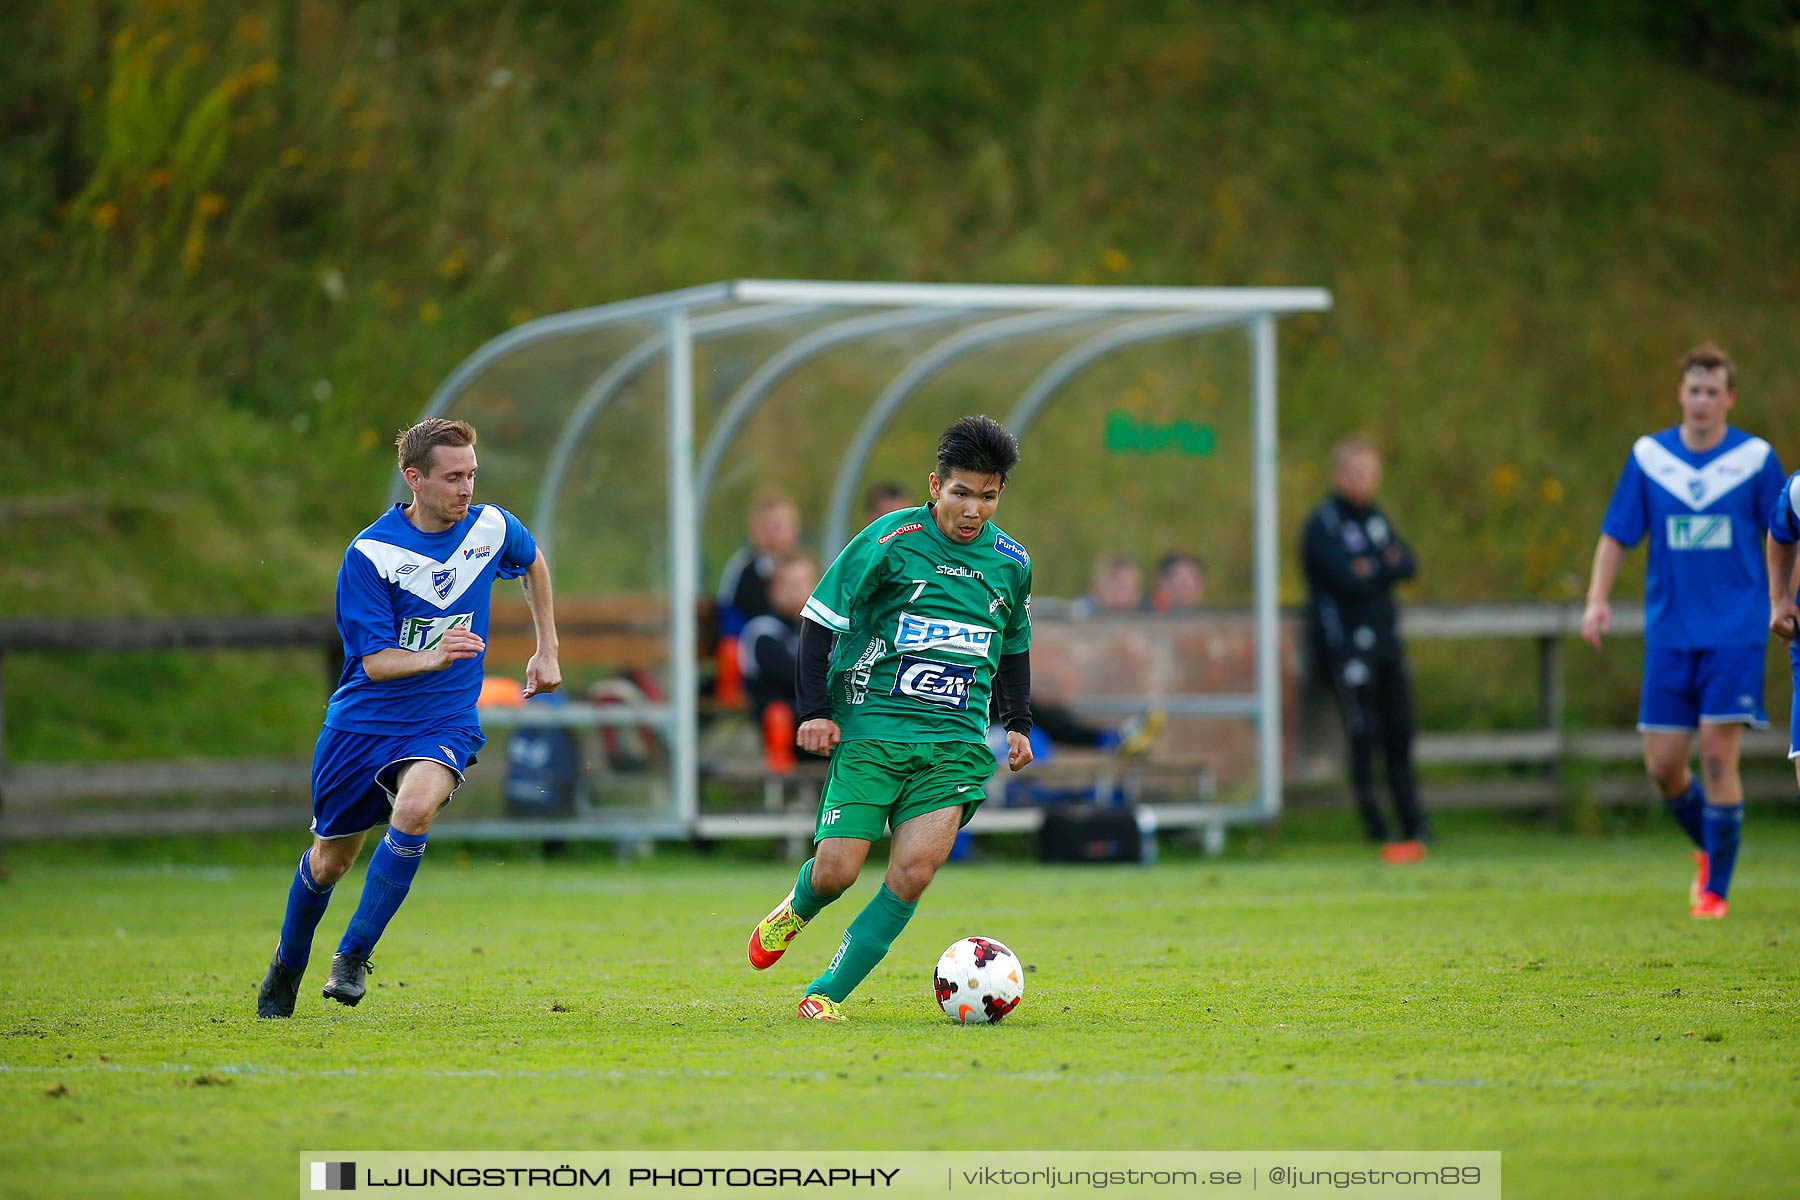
(442, 581)
(1695, 532)
(477, 552)
(425, 633)
(885, 538)
(943, 684)
(960, 572)
(928, 633)
(1011, 549)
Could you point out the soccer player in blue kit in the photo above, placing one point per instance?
(1702, 491)
(401, 728)
(1784, 612)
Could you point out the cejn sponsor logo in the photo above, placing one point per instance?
(931, 633)
(885, 538)
(944, 684)
(1697, 532)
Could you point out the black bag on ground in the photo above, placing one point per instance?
(1084, 833)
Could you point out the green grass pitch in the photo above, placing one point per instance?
(1541, 995)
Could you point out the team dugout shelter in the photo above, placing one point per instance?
(633, 437)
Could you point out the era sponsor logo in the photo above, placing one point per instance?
(943, 684)
(930, 633)
(1011, 549)
(1699, 532)
(477, 552)
(885, 538)
(960, 572)
(424, 633)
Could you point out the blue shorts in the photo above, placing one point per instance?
(354, 775)
(1684, 689)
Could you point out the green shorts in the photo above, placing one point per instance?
(876, 786)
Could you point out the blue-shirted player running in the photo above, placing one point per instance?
(401, 728)
(1702, 491)
(1784, 612)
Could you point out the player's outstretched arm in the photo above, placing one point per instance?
(1596, 618)
(395, 663)
(543, 673)
(1784, 615)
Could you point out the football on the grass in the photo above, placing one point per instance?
(979, 981)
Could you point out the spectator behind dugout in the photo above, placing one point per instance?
(769, 647)
(884, 498)
(1180, 583)
(744, 587)
(1055, 723)
(1118, 588)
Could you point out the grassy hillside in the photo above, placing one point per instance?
(245, 241)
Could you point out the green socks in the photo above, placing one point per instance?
(865, 943)
(807, 904)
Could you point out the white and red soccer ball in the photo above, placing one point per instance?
(979, 981)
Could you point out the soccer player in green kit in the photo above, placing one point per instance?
(930, 609)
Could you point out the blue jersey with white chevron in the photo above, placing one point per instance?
(402, 587)
(1784, 521)
(1705, 514)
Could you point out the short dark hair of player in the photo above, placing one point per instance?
(978, 445)
(1707, 356)
(414, 446)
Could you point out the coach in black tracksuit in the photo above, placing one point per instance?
(1353, 559)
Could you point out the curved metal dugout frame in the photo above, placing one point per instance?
(682, 320)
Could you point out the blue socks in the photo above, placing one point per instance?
(1687, 809)
(1723, 824)
(391, 871)
(305, 905)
